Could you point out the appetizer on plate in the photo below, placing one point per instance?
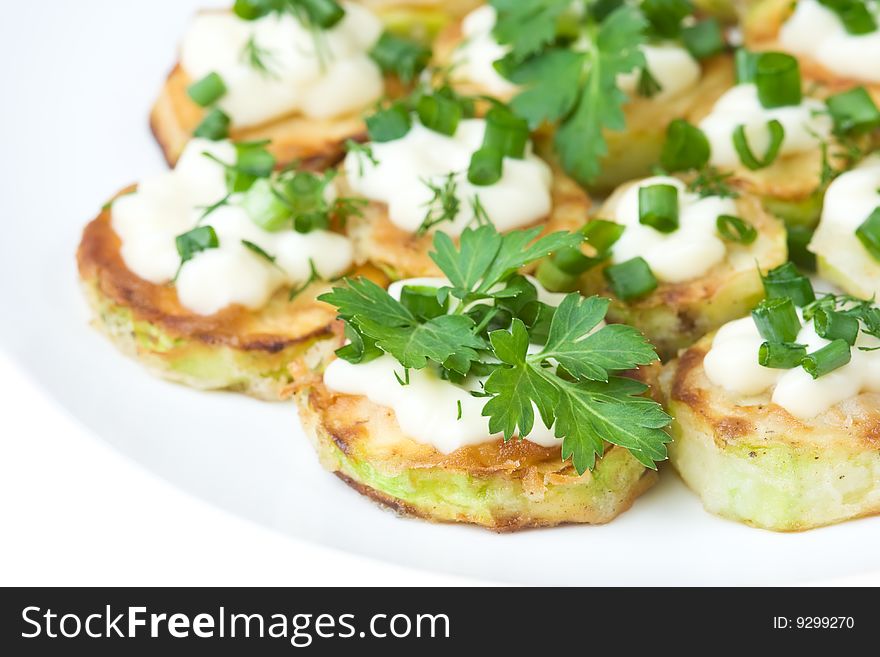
(481, 398)
(428, 166)
(678, 260)
(299, 73)
(837, 42)
(662, 64)
(847, 241)
(208, 273)
(772, 138)
(776, 416)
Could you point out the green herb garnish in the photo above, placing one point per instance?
(575, 88)
(492, 317)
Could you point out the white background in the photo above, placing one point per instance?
(74, 512)
(76, 82)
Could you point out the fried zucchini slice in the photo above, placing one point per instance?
(761, 21)
(402, 254)
(675, 315)
(841, 257)
(317, 142)
(497, 485)
(753, 462)
(234, 349)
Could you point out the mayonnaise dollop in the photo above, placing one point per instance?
(681, 255)
(670, 64)
(520, 198)
(850, 199)
(805, 125)
(171, 203)
(427, 408)
(816, 31)
(320, 76)
(473, 61)
(732, 363)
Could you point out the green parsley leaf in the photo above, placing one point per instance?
(527, 25)
(362, 297)
(587, 355)
(438, 339)
(614, 50)
(585, 414)
(552, 81)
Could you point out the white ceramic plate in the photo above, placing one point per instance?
(76, 85)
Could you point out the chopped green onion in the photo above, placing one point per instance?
(854, 14)
(195, 241)
(439, 113)
(703, 39)
(253, 159)
(553, 278)
(323, 13)
(630, 280)
(777, 320)
(832, 356)
(506, 132)
(208, 90)
(747, 157)
(250, 10)
(781, 355)
(602, 234)
(799, 237)
(853, 111)
(563, 269)
(786, 282)
(486, 167)
(401, 57)
(745, 61)
(665, 16)
(421, 301)
(265, 207)
(778, 79)
(215, 126)
(869, 234)
(686, 147)
(506, 136)
(658, 207)
(390, 123)
(734, 229)
(834, 325)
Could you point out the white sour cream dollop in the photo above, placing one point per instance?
(520, 198)
(171, 203)
(805, 125)
(850, 199)
(427, 408)
(732, 363)
(681, 255)
(332, 79)
(816, 31)
(671, 65)
(473, 61)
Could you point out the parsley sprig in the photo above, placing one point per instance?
(526, 354)
(570, 82)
